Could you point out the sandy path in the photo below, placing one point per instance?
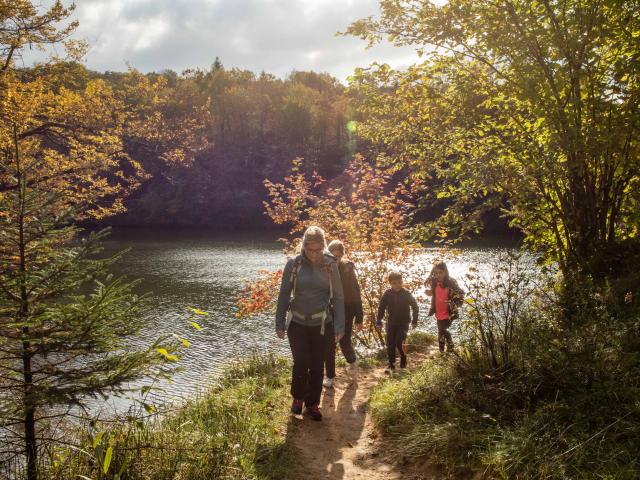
(345, 445)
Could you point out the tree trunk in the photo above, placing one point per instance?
(31, 448)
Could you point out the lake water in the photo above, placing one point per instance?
(205, 270)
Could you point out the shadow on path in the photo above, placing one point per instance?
(322, 444)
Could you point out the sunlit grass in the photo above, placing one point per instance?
(235, 431)
(465, 424)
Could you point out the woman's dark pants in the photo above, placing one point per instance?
(345, 344)
(396, 335)
(308, 348)
(444, 335)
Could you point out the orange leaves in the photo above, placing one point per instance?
(260, 295)
(366, 211)
(66, 141)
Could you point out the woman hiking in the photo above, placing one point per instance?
(310, 312)
(352, 311)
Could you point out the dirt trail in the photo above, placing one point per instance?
(345, 445)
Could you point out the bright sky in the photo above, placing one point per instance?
(276, 36)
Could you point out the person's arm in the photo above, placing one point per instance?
(431, 291)
(457, 294)
(284, 297)
(338, 301)
(414, 309)
(356, 287)
(381, 308)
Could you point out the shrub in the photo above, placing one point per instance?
(562, 404)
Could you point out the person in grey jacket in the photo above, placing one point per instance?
(310, 310)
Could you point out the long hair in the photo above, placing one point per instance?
(432, 276)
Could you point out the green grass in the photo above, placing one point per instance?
(466, 424)
(235, 431)
(419, 341)
(419, 414)
(416, 342)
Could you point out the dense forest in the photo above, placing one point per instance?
(237, 128)
(253, 126)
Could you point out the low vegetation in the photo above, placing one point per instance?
(234, 431)
(562, 404)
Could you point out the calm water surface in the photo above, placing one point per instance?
(205, 270)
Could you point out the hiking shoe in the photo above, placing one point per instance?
(352, 369)
(327, 382)
(389, 370)
(313, 412)
(403, 361)
(296, 407)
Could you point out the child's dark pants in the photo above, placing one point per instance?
(308, 348)
(345, 344)
(396, 335)
(444, 335)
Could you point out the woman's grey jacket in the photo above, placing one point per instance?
(314, 284)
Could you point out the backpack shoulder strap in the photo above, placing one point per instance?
(293, 278)
(349, 266)
(330, 261)
(297, 265)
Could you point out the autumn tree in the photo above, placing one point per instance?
(68, 152)
(22, 24)
(531, 107)
(367, 211)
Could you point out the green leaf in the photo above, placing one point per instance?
(184, 341)
(166, 354)
(197, 311)
(107, 460)
(124, 467)
(97, 440)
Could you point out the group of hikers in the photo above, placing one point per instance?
(319, 305)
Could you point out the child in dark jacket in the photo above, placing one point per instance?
(397, 302)
(446, 299)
